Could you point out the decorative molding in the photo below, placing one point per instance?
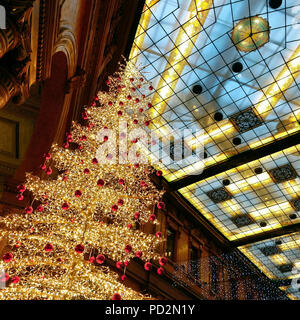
(48, 31)
(219, 195)
(66, 43)
(283, 173)
(296, 204)
(270, 250)
(245, 120)
(242, 220)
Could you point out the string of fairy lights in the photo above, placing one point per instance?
(91, 199)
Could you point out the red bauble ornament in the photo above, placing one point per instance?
(83, 138)
(49, 171)
(131, 79)
(128, 248)
(29, 210)
(129, 97)
(160, 205)
(137, 100)
(121, 103)
(47, 156)
(160, 271)
(147, 266)
(150, 105)
(100, 258)
(119, 264)
(86, 171)
(43, 166)
(92, 259)
(84, 115)
(126, 263)
(116, 296)
(147, 123)
(15, 279)
(141, 109)
(159, 173)
(100, 183)
(133, 89)
(95, 161)
(137, 215)
(129, 226)
(65, 178)
(110, 103)
(163, 261)
(114, 207)
(79, 248)
(20, 197)
(65, 206)
(105, 138)
(78, 193)
(123, 277)
(120, 202)
(66, 145)
(70, 139)
(136, 165)
(141, 79)
(139, 254)
(121, 181)
(152, 217)
(7, 257)
(158, 234)
(40, 208)
(48, 247)
(150, 88)
(135, 121)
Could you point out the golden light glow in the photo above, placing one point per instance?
(141, 30)
(260, 265)
(86, 208)
(279, 259)
(268, 209)
(284, 80)
(184, 44)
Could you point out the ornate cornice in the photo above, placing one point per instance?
(49, 16)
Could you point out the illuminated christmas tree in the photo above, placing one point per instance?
(97, 190)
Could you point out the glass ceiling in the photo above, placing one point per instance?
(195, 54)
